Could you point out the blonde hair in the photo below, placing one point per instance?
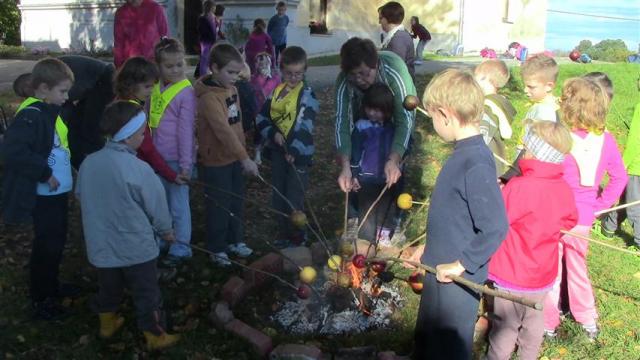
(495, 70)
(584, 105)
(540, 67)
(456, 90)
(553, 133)
(51, 72)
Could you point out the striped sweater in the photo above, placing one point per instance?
(391, 71)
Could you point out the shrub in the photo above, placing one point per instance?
(11, 51)
(9, 22)
(605, 50)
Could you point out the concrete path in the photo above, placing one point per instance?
(10, 69)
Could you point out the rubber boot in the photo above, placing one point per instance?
(110, 322)
(157, 342)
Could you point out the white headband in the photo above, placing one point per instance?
(130, 127)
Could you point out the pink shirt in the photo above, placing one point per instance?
(174, 137)
(137, 29)
(587, 199)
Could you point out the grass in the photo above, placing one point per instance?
(198, 284)
(325, 60)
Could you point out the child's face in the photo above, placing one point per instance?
(281, 10)
(55, 95)
(134, 141)
(293, 74)
(485, 83)
(442, 123)
(228, 74)
(536, 89)
(374, 115)
(142, 91)
(172, 67)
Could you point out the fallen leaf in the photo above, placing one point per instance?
(84, 340)
(562, 351)
(20, 338)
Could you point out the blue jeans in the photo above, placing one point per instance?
(178, 198)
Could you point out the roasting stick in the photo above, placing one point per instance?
(619, 207)
(600, 243)
(483, 289)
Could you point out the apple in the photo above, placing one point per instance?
(405, 201)
(308, 274)
(411, 102)
(378, 266)
(334, 262)
(344, 280)
(303, 292)
(298, 219)
(415, 281)
(359, 261)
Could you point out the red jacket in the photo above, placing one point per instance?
(136, 30)
(539, 204)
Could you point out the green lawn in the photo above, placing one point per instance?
(189, 296)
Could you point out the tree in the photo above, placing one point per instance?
(584, 46)
(10, 20)
(605, 50)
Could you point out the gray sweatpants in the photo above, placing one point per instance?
(142, 282)
(613, 219)
(290, 185)
(516, 324)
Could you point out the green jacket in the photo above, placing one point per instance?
(393, 72)
(631, 155)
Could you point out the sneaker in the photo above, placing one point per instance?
(591, 331)
(550, 334)
(221, 259)
(258, 158)
(240, 249)
(48, 310)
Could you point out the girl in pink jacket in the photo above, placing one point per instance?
(594, 152)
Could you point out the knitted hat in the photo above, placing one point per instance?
(542, 150)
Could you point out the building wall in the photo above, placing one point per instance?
(76, 24)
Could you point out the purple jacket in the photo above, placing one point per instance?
(587, 199)
(256, 44)
(174, 137)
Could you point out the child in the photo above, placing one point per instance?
(539, 74)
(419, 31)
(258, 42)
(396, 38)
(134, 82)
(247, 99)
(594, 153)
(219, 13)
(172, 114)
(277, 28)
(207, 32)
(263, 82)
(286, 122)
(526, 263)
(371, 144)
(37, 180)
(120, 229)
(498, 114)
(466, 222)
(222, 154)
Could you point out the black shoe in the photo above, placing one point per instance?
(66, 290)
(48, 310)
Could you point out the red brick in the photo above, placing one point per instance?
(271, 263)
(295, 351)
(260, 342)
(234, 290)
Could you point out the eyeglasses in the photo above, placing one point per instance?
(292, 75)
(360, 75)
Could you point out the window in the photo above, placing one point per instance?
(318, 16)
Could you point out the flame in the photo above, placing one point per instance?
(356, 275)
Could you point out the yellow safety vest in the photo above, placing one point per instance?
(160, 100)
(61, 127)
(283, 111)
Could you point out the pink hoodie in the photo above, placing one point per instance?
(136, 30)
(587, 199)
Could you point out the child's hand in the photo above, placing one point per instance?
(278, 139)
(182, 179)
(250, 167)
(169, 236)
(355, 184)
(444, 270)
(290, 159)
(53, 183)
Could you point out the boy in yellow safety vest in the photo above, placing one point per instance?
(37, 180)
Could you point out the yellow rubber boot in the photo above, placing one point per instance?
(157, 342)
(110, 322)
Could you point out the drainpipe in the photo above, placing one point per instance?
(461, 25)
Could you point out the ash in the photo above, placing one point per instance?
(315, 315)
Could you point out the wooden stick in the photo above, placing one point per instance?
(500, 159)
(373, 205)
(483, 289)
(410, 243)
(423, 111)
(623, 206)
(600, 243)
(346, 213)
